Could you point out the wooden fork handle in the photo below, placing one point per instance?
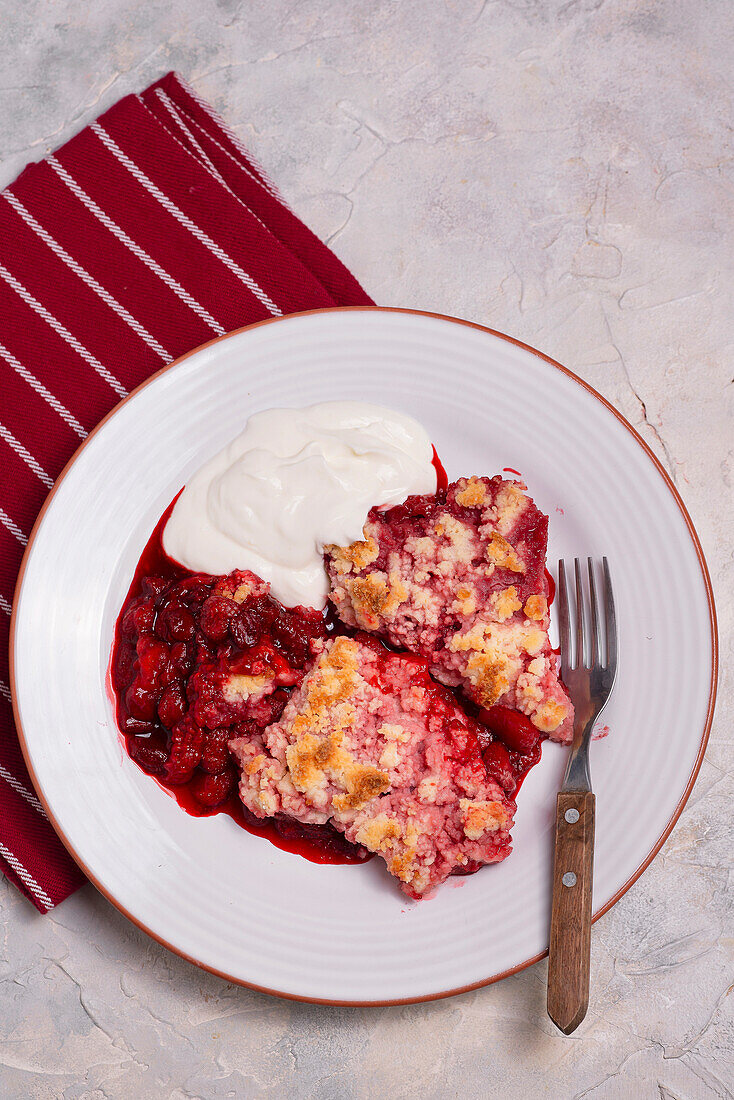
(570, 932)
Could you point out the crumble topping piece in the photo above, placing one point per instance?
(473, 493)
(240, 586)
(462, 582)
(501, 553)
(372, 744)
(238, 688)
(359, 554)
(481, 817)
(536, 607)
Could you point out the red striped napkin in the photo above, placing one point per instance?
(149, 233)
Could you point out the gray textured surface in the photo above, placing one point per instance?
(562, 171)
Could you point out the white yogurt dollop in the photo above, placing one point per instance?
(295, 481)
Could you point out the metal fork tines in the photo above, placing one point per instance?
(588, 668)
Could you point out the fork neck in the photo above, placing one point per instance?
(578, 774)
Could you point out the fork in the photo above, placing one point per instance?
(589, 686)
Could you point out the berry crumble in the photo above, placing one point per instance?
(398, 721)
(372, 744)
(459, 578)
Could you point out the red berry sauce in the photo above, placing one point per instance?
(442, 478)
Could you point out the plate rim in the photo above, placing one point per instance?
(678, 809)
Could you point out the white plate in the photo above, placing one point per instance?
(234, 903)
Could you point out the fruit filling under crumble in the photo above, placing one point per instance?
(372, 744)
(459, 578)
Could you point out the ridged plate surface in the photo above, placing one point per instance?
(234, 903)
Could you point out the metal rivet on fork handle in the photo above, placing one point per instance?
(571, 816)
(569, 879)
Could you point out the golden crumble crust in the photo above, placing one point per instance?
(502, 554)
(363, 783)
(473, 493)
(482, 816)
(466, 600)
(505, 603)
(376, 597)
(237, 687)
(240, 586)
(536, 607)
(333, 681)
(496, 652)
(461, 538)
(355, 557)
(489, 675)
(509, 505)
(376, 833)
(549, 715)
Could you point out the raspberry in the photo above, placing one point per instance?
(181, 658)
(211, 790)
(246, 628)
(524, 761)
(123, 671)
(140, 701)
(246, 728)
(205, 694)
(269, 708)
(186, 744)
(178, 644)
(193, 591)
(264, 608)
(325, 836)
(215, 756)
(154, 586)
(175, 623)
(150, 757)
(277, 703)
(139, 618)
(287, 634)
(215, 617)
(172, 705)
(131, 725)
(205, 653)
(153, 656)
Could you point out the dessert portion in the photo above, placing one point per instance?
(370, 743)
(397, 720)
(460, 579)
